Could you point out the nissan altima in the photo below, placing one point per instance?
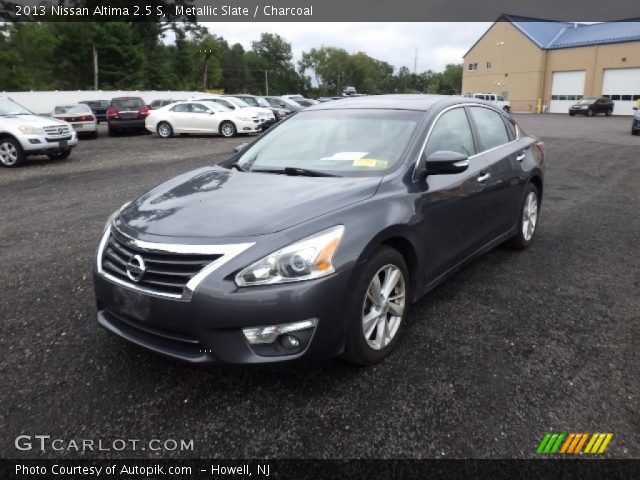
(314, 240)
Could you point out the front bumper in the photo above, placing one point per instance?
(248, 127)
(41, 144)
(207, 328)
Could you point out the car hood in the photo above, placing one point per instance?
(255, 111)
(33, 120)
(216, 202)
(579, 105)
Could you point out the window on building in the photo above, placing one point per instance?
(488, 65)
(473, 66)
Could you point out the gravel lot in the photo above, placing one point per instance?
(514, 346)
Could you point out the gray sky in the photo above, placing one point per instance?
(394, 43)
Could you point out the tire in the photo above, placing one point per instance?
(165, 130)
(111, 131)
(228, 129)
(572, 114)
(635, 132)
(11, 153)
(525, 230)
(590, 113)
(506, 109)
(609, 112)
(60, 155)
(384, 328)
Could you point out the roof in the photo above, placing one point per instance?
(396, 102)
(551, 35)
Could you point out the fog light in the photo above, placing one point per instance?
(289, 341)
(34, 141)
(270, 333)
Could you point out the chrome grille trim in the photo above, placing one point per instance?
(57, 130)
(226, 252)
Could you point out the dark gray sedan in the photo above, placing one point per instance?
(314, 240)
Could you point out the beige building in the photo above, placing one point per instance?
(549, 65)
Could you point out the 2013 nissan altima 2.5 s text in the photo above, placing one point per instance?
(314, 240)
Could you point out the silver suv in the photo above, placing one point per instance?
(23, 133)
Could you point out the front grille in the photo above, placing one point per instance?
(164, 273)
(57, 139)
(57, 131)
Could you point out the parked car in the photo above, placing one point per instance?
(498, 100)
(200, 117)
(282, 102)
(99, 108)
(635, 123)
(592, 106)
(79, 116)
(126, 114)
(314, 240)
(160, 103)
(300, 100)
(258, 101)
(22, 133)
(266, 116)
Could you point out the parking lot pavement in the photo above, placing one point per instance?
(514, 346)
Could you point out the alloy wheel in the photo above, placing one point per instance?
(383, 307)
(8, 153)
(228, 130)
(529, 216)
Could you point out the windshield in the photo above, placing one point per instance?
(262, 102)
(237, 102)
(80, 108)
(248, 100)
(341, 142)
(216, 107)
(587, 100)
(9, 107)
(127, 103)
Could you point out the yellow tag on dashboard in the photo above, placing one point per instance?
(370, 163)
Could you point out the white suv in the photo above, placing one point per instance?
(23, 133)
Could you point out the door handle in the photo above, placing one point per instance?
(483, 177)
(521, 155)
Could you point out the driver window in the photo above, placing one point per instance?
(452, 133)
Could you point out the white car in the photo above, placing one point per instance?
(265, 115)
(23, 133)
(200, 117)
(497, 100)
(79, 116)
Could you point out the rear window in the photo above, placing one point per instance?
(127, 103)
(62, 109)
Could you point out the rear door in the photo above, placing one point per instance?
(500, 151)
(181, 119)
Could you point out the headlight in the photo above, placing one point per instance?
(30, 130)
(113, 216)
(305, 259)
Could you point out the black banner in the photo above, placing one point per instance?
(320, 469)
(315, 10)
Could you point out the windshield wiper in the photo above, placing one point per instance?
(294, 171)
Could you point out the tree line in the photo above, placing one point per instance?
(183, 55)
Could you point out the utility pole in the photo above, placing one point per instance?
(266, 81)
(415, 61)
(95, 67)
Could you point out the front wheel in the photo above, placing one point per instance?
(11, 154)
(164, 130)
(228, 129)
(609, 113)
(378, 308)
(61, 155)
(590, 113)
(506, 109)
(527, 220)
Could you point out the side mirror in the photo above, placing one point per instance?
(283, 105)
(211, 112)
(444, 162)
(635, 108)
(242, 146)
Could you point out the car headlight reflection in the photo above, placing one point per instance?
(113, 216)
(305, 259)
(30, 130)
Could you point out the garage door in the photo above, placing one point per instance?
(566, 88)
(622, 85)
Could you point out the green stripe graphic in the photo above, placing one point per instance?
(543, 443)
(555, 448)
